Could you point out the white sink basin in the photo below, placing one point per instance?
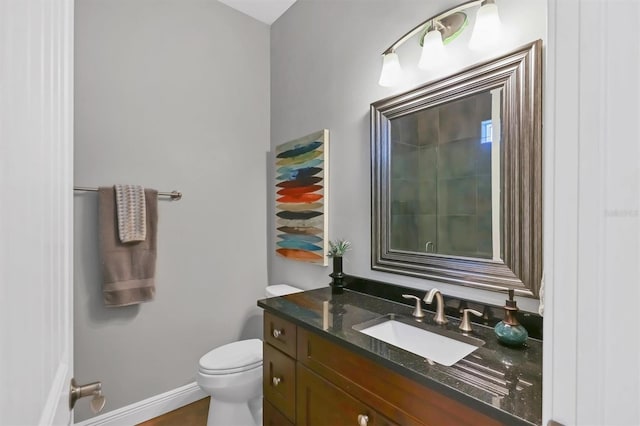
(431, 345)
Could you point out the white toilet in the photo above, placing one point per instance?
(232, 375)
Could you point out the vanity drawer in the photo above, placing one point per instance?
(395, 396)
(322, 403)
(279, 381)
(280, 334)
(273, 417)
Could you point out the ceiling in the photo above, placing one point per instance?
(266, 11)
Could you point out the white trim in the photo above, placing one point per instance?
(561, 201)
(148, 408)
(59, 386)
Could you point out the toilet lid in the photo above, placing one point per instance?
(233, 357)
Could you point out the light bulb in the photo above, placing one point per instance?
(487, 29)
(391, 70)
(433, 52)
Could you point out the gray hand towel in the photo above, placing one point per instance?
(128, 269)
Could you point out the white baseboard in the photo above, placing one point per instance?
(149, 408)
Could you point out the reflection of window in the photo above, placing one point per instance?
(486, 131)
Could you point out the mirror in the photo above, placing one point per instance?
(444, 178)
(457, 176)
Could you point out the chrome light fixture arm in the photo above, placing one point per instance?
(449, 24)
(426, 24)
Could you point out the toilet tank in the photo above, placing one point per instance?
(281, 290)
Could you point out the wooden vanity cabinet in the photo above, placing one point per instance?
(279, 370)
(272, 417)
(279, 381)
(322, 383)
(320, 402)
(395, 396)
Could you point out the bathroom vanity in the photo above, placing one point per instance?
(319, 369)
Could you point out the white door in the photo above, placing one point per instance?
(36, 190)
(592, 237)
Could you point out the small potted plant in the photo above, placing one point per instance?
(337, 249)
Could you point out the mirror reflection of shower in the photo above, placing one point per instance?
(445, 175)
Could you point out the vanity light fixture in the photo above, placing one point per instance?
(391, 70)
(486, 31)
(433, 52)
(438, 31)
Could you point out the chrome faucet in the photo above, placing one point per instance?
(439, 318)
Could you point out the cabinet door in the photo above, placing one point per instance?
(320, 403)
(273, 417)
(279, 380)
(395, 396)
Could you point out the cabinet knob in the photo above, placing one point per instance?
(363, 420)
(276, 381)
(276, 333)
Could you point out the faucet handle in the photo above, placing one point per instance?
(465, 324)
(417, 311)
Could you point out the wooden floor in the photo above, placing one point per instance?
(194, 414)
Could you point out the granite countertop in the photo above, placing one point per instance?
(503, 382)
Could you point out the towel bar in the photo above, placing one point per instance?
(174, 195)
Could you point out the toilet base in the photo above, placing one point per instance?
(235, 414)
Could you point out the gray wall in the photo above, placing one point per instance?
(171, 94)
(325, 65)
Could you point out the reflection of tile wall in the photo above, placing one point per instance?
(404, 183)
(441, 179)
(464, 179)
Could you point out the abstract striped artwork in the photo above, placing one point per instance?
(301, 198)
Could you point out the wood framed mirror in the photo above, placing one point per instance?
(457, 177)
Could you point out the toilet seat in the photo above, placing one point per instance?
(234, 357)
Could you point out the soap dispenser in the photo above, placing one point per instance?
(509, 330)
